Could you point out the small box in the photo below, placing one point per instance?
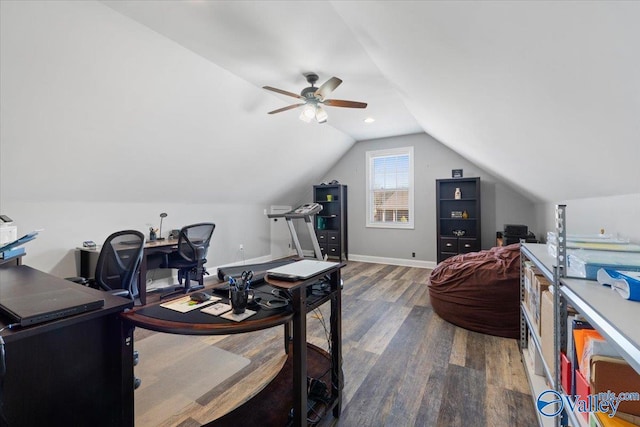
(530, 297)
(615, 375)
(546, 330)
(516, 230)
(534, 355)
(602, 419)
(540, 285)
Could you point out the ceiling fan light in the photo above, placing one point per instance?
(309, 111)
(321, 115)
(305, 117)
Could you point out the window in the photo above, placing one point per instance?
(390, 188)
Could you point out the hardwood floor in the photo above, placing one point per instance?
(403, 365)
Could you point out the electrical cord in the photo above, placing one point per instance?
(275, 301)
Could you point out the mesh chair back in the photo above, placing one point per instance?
(119, 261)
(193, 241)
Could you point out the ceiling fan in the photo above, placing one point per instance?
(314, 98)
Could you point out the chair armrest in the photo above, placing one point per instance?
(120, 293)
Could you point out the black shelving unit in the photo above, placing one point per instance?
(454, 215)
(330, 224)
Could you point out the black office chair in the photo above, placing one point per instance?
(117, 270)
(189, 260)
(118, 265)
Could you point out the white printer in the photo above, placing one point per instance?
(8, 231)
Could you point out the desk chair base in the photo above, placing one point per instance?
(188, 275)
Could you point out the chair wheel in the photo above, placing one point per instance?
(136, 382)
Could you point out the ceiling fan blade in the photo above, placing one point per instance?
(283, 92)
(327, 87)
(290, 107)
(342, 103)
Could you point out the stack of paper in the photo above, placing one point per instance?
(626, 283)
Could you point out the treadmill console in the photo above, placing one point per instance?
(304, 210)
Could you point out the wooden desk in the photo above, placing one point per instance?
(153, 255)
(194, 323)
(77, 370)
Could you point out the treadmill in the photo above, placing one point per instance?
(303, 212)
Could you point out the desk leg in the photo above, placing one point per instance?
(299, 357)
(287, 336)
(142, 280)
(126, 386)
(85, 264)
(336, 342)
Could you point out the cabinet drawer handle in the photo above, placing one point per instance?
(449, 245)
(466, 245)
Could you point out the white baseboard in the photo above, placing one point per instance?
(393, 261)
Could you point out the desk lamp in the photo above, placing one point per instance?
(163, 215)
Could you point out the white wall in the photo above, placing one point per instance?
(500, 204)
(67, 224)
(617, 215)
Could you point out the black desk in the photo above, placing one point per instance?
(73, 371)
(151, 317)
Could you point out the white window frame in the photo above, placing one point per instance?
(370, 156)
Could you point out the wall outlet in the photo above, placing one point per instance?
(241, 247)
(413, 254)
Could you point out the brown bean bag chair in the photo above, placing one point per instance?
(480, 291)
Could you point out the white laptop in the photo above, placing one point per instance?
(301, 270)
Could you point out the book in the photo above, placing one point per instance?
(625, 283)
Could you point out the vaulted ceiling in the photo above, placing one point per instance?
(544, 95)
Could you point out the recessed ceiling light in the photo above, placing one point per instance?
(369, 120)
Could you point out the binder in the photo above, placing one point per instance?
(12, 253)
(625, 283)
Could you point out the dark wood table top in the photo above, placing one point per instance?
(157, 318)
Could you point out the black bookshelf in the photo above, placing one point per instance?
(458, 219)
(330, 224)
